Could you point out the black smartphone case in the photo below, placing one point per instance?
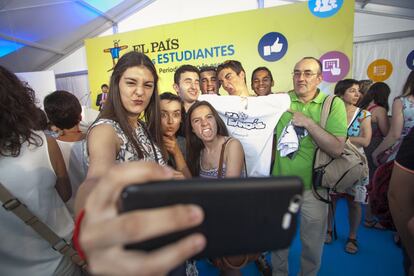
(242, 215)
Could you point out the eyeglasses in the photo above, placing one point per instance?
(306, 74)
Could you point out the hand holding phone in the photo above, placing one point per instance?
(242, 215)
(103, 232)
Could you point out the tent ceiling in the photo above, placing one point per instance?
(407, 4)
(393, 8)
(36, 34)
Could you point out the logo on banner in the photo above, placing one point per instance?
(272, 46)
(114, 51)
(379, 70)
(410, 60)
(324, 8)
(335, 66)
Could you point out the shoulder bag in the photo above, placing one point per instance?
(337, 174)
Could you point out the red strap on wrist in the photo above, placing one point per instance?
(76, 233)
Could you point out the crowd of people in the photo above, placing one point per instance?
(72, 180)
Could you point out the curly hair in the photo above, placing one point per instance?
(19, 116)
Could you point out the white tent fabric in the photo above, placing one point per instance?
(78, 85)
(394, 50)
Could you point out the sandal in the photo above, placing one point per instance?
(374, 224)
(351, 246)
(328, 238)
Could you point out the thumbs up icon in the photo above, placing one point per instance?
(276, 47)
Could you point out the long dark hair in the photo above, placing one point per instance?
(409, 85)
(115, 110)
(19, 115)
(193, 144)
(379, 93)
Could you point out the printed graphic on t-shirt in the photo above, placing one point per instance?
(252, 121)
(241, 120)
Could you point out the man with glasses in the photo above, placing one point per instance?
(304, 114)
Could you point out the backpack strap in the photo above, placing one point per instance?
(356, 115)
(223, 148)
(12, 204)
(326, 109)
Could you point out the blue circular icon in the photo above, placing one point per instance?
(324, 8)
(410, 60)
(272, 46)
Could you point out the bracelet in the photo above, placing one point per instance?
(76, 233)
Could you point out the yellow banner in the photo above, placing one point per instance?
(273, 37)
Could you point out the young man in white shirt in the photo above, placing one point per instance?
(252, 120)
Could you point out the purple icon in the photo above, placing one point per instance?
(335, 66)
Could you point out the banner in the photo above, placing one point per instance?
(273, 37)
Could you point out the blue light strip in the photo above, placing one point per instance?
(7, 47)
(103, 5)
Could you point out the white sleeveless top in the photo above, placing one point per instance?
(75, 165)
(31, 178)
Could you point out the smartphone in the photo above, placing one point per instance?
(242, 215)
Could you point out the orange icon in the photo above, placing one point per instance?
(379, 70)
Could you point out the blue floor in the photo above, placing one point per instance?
(378, 255)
